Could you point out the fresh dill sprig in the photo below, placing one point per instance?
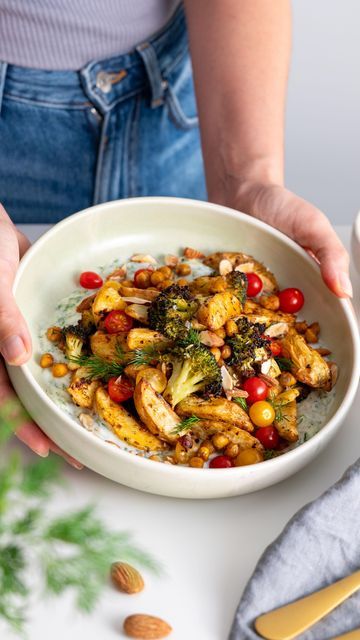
(146, 355)
(270, 453)
(278, 408)
(98, 367)
(285, 364)
(242, 402)
(185, 424)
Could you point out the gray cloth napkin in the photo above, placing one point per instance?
(320, 545)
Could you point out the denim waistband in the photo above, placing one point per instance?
(104, 82)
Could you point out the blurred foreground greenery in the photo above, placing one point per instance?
(70, 551)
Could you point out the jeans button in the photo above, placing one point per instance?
(103, 81)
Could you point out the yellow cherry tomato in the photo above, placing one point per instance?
(262, 413)
(248, 456)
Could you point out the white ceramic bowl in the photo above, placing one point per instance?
(98, 235)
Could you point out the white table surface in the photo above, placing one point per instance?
(208, 548)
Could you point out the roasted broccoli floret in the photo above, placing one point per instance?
(75, 336)
(237, 281)
(248, 346)
(194, 370)
(171, 311)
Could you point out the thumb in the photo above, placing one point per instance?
(15, 341)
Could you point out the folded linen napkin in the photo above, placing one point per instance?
(320, 545)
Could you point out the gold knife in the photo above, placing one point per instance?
(289, 621)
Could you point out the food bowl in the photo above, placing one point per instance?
(49, 271)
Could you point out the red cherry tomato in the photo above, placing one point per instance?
(120, 389)
(291, 300)
(256, 388)
(268, 436)
(220, 462)
(137, 273)
(116, 321)
(90, 280)
(254, 285)
(275, 348)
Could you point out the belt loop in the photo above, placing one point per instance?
(157, 84)
(3, 70)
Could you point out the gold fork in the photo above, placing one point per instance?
(289, 621)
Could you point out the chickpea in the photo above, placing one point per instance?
(220, 441)
(157, 277)
(231, 450)
(183, 269)
(166, 271)
(216, 353)
(181, 453)
(46, 360)
(59, 370)
(54, 334)
(248, 456)
(221, 332)
(226, 352)
(209, 445)
(287, 379)
(196, 462)
(231, 328)
(204, 452)
(127, 283)
(182, 282)
(143, 279)
(164, 285)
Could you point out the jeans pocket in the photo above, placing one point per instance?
(180, 97)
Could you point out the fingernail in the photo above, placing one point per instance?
(346, 284)
(43, 453)
(76, 465)
(13, 349)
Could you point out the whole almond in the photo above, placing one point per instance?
(126, 578)
(146, 627)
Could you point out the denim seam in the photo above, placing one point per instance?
(99, 174)
(49, 105)
(176, 113)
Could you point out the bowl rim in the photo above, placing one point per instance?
(181, 471)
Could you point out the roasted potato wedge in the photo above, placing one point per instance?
(286, 424)
(218, 309)
(86, 303)
(124, 425)
(155, 377)
(141, 337)
(81, 389)
(105, 345)
(308, 366)
(219, 409)
(155, 412)
(207, 285)
(207, 428)
(249, 265)
(107, 299)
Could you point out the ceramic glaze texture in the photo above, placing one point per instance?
(165, 225)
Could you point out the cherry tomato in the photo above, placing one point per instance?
(120, 389)
(116, 321)
(256, 388)
(268, 436)
(220, 462)
(275, 348)
(137, 280)
(254, 285)
(262, 413)
(90, 280)
(291, 300)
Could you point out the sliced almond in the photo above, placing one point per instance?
(210, 339)
(246, 267)
(276, 330)
(87, 421)
(171, 261)
(138, 312)
(141, 257)
(227, 380)
(135, 300)
(225, 267)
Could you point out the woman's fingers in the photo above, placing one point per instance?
(15, 342)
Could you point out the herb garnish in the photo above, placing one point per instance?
(98, 367)
(285, 364)
(185, 424)
(242, 402)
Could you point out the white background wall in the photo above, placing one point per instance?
(323, 114)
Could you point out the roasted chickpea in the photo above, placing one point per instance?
(226, 352)
(127, 283)
(166, 271)
(54, 334)
(182, 282)
(204, 452)
(216, 353)
(59, 370)
(221, 332)
(183, 269)
(157, 277)
(46, 360)
(231, 450)
(220, 441)
(143, 279)
(231, 328)
(196, 462)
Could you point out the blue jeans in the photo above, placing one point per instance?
(118, 128)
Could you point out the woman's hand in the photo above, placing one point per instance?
(15, 342)
(302, 222)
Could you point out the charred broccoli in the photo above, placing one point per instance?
(194, 369)
(248, 346)
(237, 281)
(171, 311)
(75, 336)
